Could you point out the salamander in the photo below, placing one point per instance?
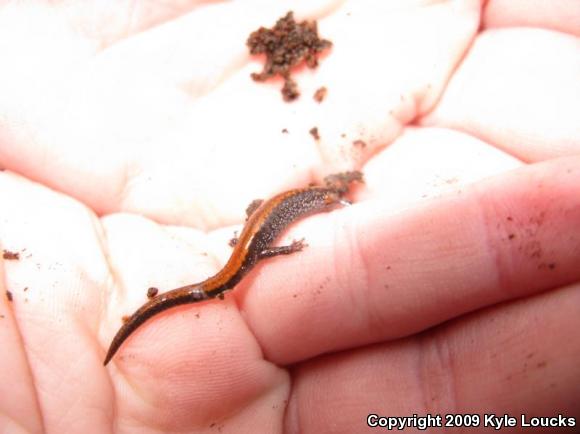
(266, 220)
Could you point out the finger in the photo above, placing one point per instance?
(370, 276)
(430, 162)
(20, 411)
(559, 15)
(100, 24)
(519, 90)
(70, 289)
(518, 358)
(57, 287)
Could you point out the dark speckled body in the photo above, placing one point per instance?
(262, 228)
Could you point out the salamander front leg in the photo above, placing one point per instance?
(296, 246)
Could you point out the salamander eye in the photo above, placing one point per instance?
(331, 198)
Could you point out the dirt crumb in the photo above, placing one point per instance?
(314, 133)
(320, 94)
(290, 90)
(10, 256)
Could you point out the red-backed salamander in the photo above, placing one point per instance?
(266, 220)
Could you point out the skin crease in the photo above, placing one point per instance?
(451, 284)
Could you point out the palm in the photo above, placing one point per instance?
(162, 124)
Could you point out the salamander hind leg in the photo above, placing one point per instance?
(296, 246)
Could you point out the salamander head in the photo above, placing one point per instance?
(340, 182)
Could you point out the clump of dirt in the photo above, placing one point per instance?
(287, 45)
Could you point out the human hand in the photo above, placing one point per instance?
(423, 297)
